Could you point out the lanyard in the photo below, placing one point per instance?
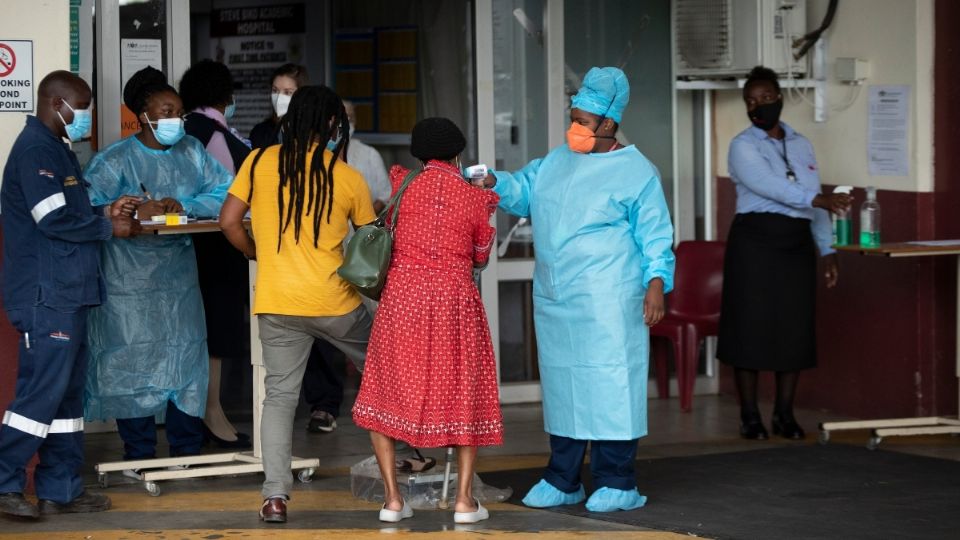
(790, 174)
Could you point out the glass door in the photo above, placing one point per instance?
(531, 57)
(514, 127)
(130, 35)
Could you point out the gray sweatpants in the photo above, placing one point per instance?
(286, 341)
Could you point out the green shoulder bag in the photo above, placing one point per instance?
(367, 257)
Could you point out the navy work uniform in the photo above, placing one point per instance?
(51, 276)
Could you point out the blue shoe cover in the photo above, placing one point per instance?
(544, 495)
(610, 500)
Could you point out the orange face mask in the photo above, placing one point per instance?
(580, 138)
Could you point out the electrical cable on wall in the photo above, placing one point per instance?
(797, 95)
(794, 95)
(808, 40)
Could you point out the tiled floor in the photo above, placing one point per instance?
(226, 507)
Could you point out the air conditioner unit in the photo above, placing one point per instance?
(727, 38)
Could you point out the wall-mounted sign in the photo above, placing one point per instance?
(257, 21)
(252, 42)
(888, 136)
(16, 75)
(75, 36)
(136, 54)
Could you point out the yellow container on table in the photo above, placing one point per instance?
(173, 220)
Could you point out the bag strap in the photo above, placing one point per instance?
(394, 202)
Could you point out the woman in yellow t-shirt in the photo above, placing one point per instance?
(301, 201)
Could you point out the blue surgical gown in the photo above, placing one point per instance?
(602, 231)
(148, 339)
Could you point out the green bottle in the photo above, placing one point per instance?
(841, 221)
(870, 220)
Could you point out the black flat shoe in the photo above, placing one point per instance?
(243, 440)
(787, 428)
(753, 431)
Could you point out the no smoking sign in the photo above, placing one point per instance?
(8, 60)
(16, 75)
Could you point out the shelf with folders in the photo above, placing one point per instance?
(377, 69)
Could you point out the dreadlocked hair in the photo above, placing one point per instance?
(315, 115)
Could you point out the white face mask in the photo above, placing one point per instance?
(281, 102)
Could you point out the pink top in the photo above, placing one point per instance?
(217, 147)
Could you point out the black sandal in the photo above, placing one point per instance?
(417, 464)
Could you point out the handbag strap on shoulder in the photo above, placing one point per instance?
(393, 205)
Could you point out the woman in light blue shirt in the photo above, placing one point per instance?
(769, 287)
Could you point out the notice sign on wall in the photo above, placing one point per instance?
(252, 42)
(888, 135)
(136, 54)
(16, 75)
(258, 21)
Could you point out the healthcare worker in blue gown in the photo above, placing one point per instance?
(148, 349)
(604, 260)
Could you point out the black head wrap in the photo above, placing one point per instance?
(142, 85)
(436, 138)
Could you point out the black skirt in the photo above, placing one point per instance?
(224, 283)
(769, 294)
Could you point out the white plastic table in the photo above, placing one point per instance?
(224, 464)
(898, 427)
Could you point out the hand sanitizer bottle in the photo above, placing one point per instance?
(870, 220)
(841, 221)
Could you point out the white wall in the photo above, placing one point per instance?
(896, 36)
(47, 24)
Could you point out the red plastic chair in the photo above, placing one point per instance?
(693, 313)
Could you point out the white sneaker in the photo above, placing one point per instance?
(479, 514)
(393, 516)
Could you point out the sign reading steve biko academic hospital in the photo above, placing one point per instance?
(16, 75)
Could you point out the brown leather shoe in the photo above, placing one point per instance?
(274, 510)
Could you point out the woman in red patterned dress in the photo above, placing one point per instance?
(430, 377)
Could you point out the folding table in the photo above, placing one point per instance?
(896, 427)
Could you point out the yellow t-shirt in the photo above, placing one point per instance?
(301, 279)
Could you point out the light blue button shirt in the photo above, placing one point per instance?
(759, 171)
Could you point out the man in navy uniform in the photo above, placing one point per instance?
(51, 277)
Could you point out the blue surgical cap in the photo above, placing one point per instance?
(605, 92)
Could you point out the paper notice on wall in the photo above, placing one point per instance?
(253, 41)
(888, 133)
(136, 54)
(251, 60)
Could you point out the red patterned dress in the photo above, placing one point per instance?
(430, 377)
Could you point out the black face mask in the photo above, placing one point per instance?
(767, 116)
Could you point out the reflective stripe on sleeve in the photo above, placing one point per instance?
(44, 207)
(26, 425)
(66, 425)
